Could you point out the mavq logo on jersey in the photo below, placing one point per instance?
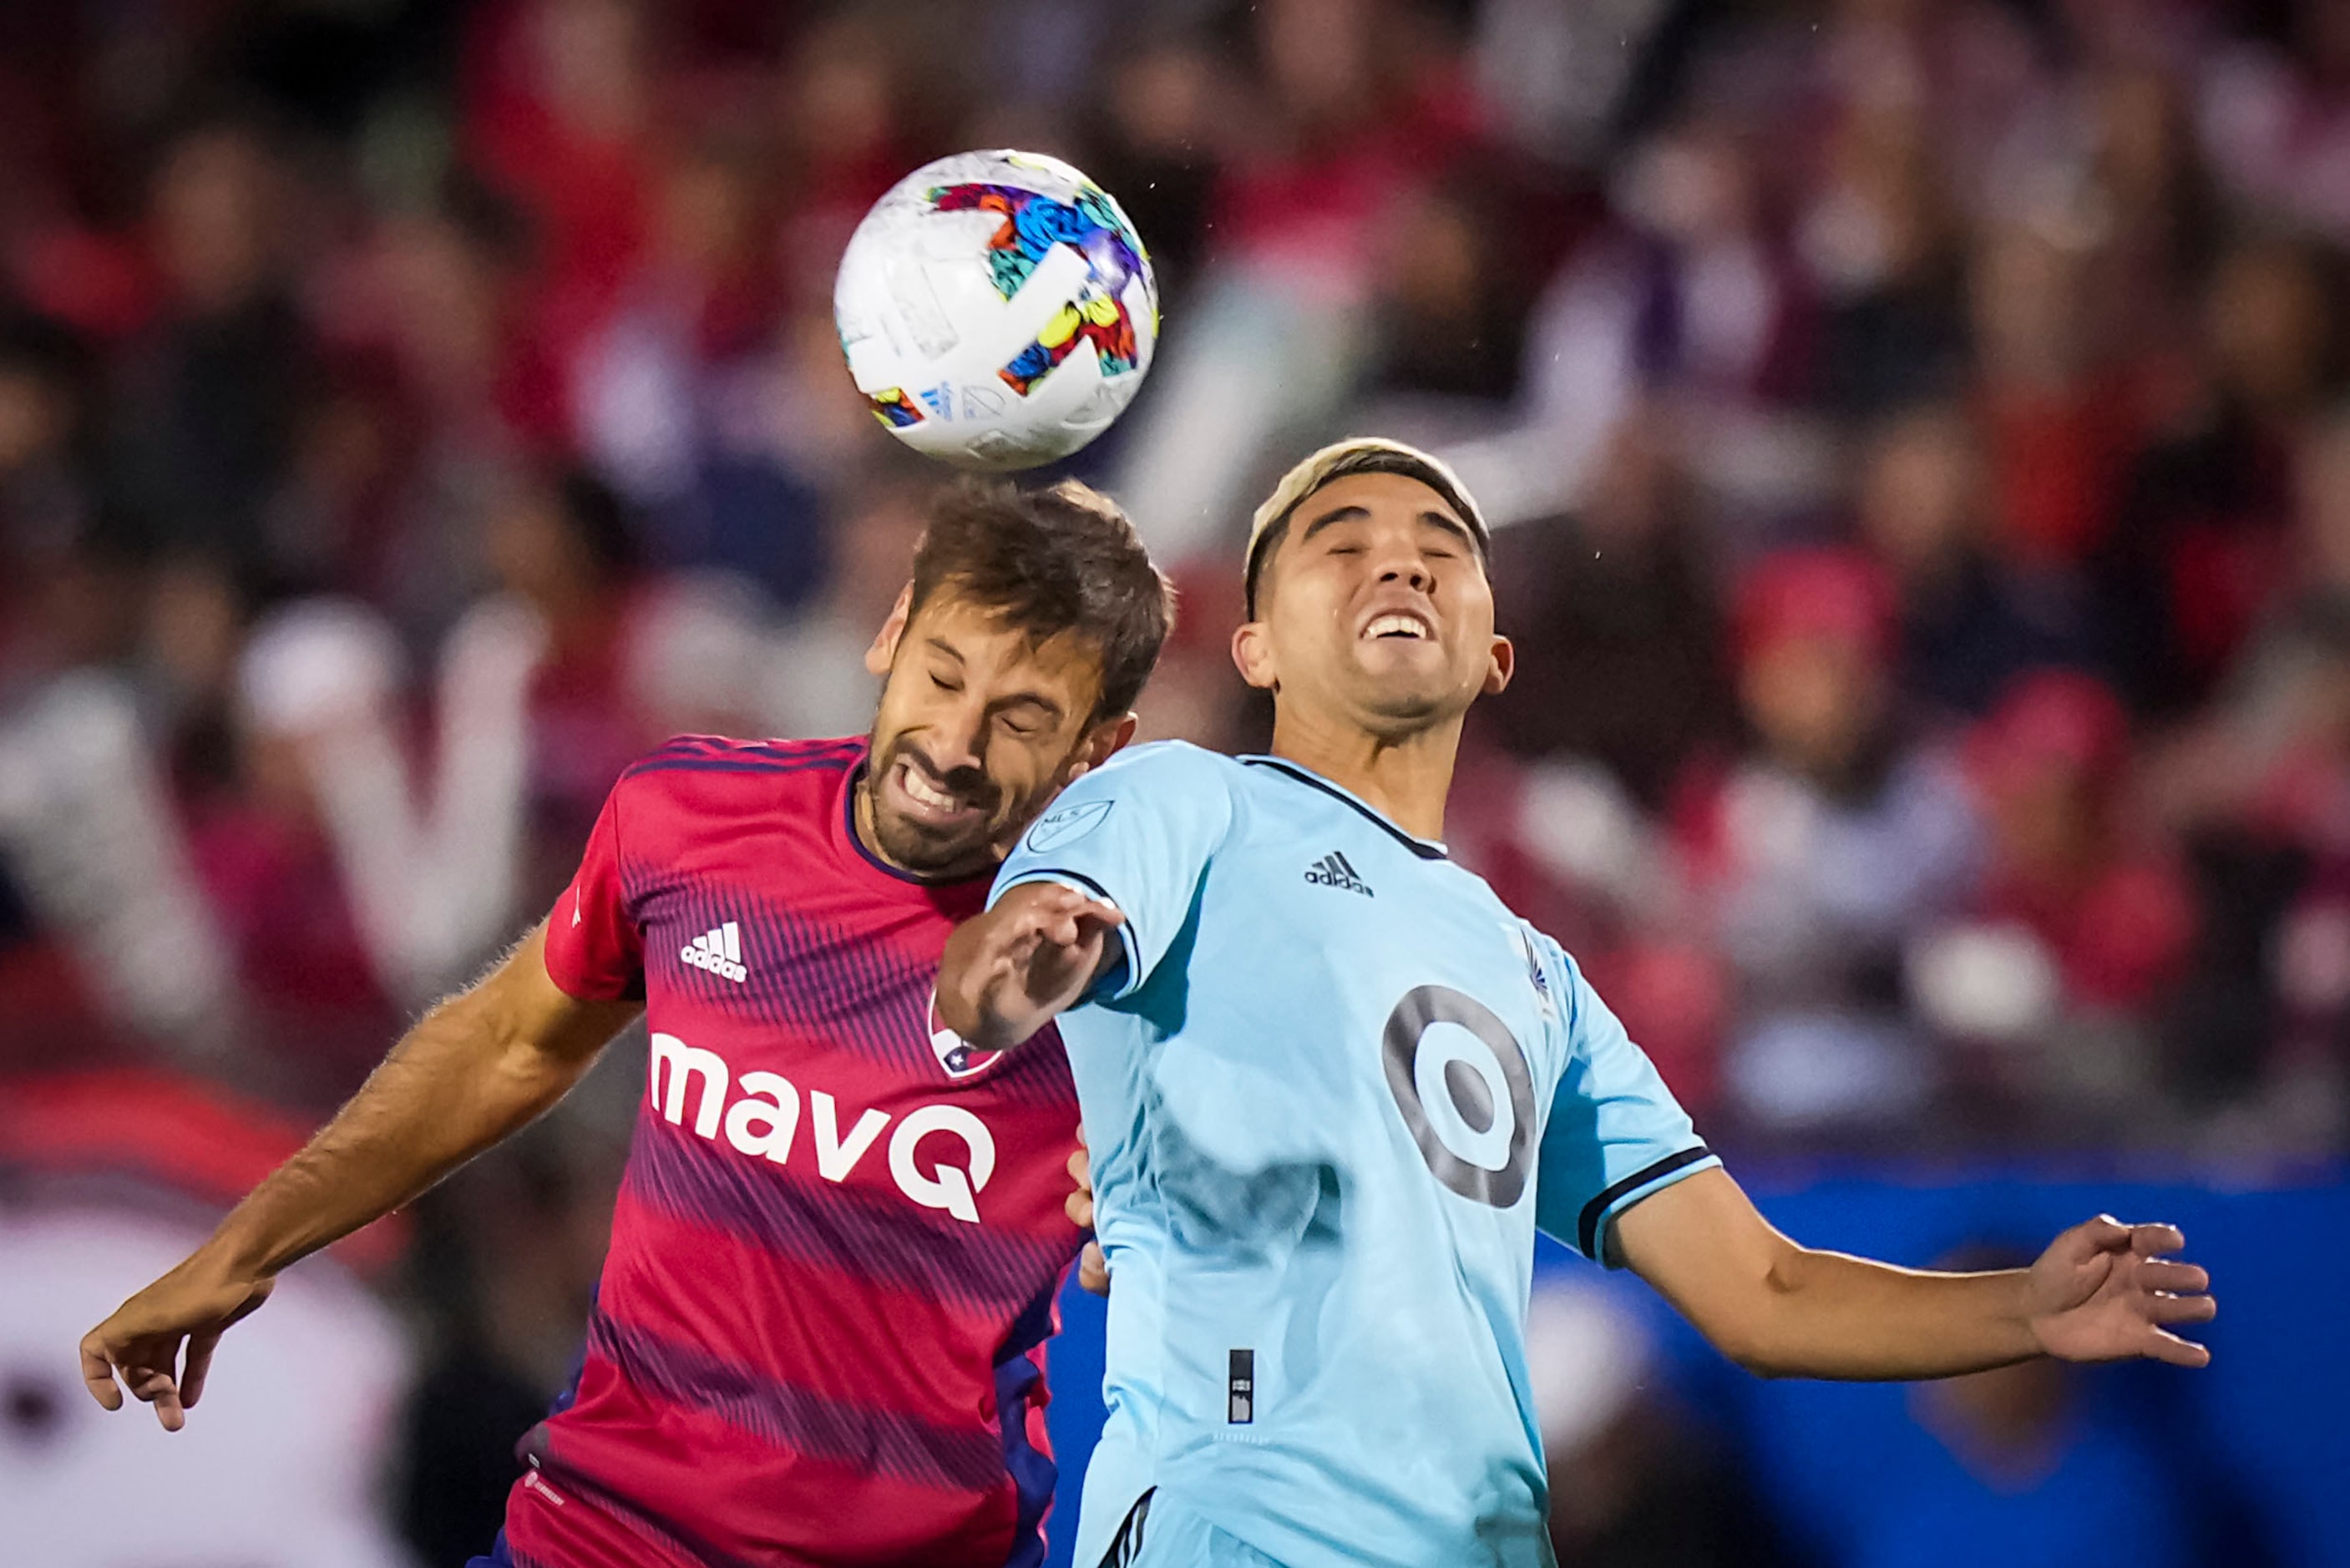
(765, 1120)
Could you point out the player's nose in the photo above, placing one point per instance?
(959, 735)
(1408, 567)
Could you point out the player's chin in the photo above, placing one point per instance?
(1409, 693)
(932, 849)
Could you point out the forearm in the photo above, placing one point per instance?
(456, 1084)
(1782, 1310)
(1824, 1314)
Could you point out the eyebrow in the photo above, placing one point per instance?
(1030, 699)
(1444, 520)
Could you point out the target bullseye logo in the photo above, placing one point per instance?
(1465, 1092)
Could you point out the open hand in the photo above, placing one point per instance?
(2105, 1290)
(1008, 971)
(194, 1303)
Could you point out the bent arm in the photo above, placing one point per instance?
(1780, 1310)
(477, 1068)
(1012, 968)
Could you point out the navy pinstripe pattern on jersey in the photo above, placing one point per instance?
(798, 1418)
(800, 1216)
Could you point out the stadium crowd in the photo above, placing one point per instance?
(1922, 428)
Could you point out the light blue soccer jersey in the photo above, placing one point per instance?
(1331, 1091)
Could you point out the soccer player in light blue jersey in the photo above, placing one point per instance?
(1333, 1086)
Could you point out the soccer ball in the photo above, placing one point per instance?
(997, 309)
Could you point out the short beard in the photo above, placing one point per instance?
(914, 850)
(911, 847)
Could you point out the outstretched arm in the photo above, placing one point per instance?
(2102, 1292)
(477, 1067)
(1009, 971)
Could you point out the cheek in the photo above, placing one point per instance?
(1019, 772)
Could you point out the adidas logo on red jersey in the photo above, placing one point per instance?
(719, 950)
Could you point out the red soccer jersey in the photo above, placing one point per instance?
(838, 1239)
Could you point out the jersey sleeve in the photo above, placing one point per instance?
(1614, 1135)
(594, 950)
(1138, 833)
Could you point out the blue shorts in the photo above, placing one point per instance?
(498, 1558)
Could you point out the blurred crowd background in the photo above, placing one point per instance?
(1922, 430)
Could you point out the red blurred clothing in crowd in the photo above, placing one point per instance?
(840, 1236)
(2050, 764)
(271, 880)
(559, 106)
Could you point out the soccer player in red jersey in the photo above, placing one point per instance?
(840, 1233)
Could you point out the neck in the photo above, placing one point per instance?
(1405, 778)
(861, 820)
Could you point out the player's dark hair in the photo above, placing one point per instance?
(1050, 560)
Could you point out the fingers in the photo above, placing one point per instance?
(1060, 914)
(2164, 1345)
(1079, 1204)
(1093, 1268)
(2106, 1234)
(2103, 1234)
(2169, 1310)
(200, 1362)
(155, 1388)
(97, 1372)
(2179, 1279)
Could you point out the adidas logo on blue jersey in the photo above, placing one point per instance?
(1332, 871)
(719, 950)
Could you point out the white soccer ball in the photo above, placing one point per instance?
(997, 309)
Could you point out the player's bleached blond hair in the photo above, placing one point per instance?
(1356, 454)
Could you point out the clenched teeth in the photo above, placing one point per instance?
(924, 792)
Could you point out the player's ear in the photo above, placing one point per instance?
(1503, 663)
(1252, 655)
(884, 651)
(1108, 738)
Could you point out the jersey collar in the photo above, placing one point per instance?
(1425, 848)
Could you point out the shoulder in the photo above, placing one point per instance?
(1176, 766)
(1170, 776)
(691, 768)
(1161, 792)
